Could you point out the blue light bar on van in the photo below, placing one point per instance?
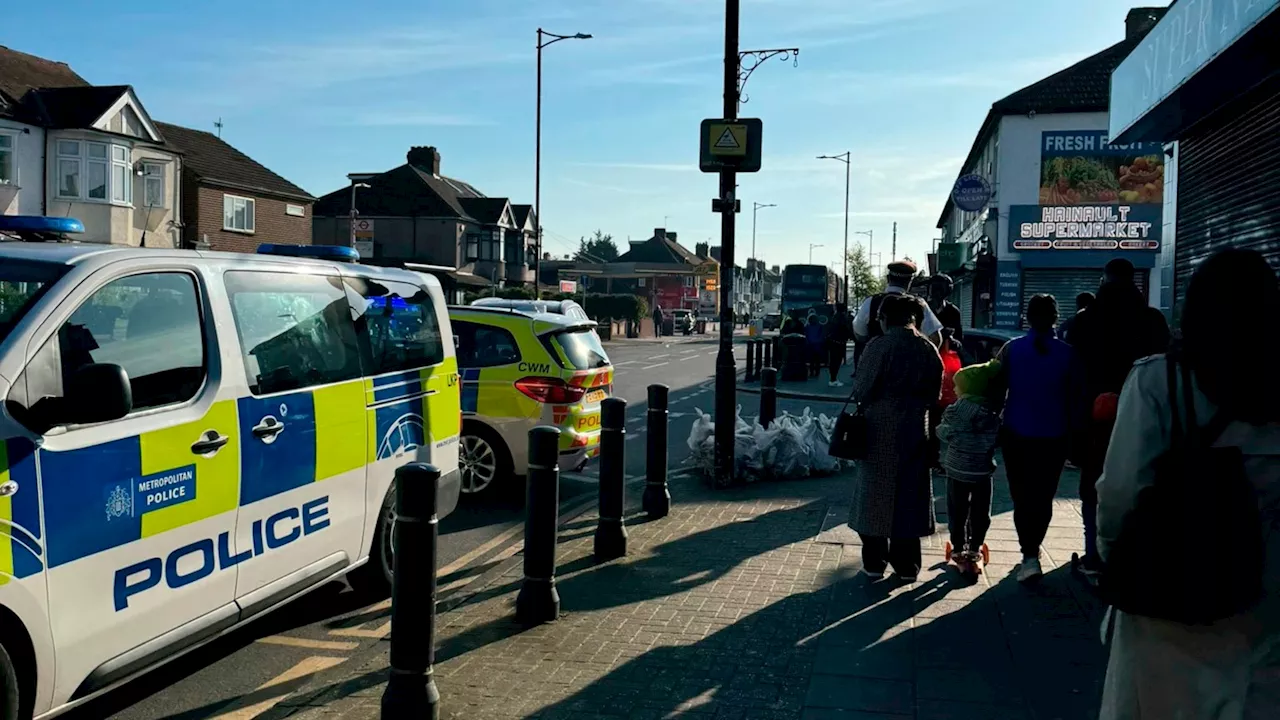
(40, 224)
(336, 253)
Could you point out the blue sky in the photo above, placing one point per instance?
(319, 89)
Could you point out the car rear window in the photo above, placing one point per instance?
(582, 349)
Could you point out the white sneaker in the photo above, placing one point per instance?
(835, 383)
(1029, 570)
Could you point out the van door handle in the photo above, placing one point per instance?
(267, 429)
(210, 442)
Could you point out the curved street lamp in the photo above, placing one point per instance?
(845, 157)
(537, 153)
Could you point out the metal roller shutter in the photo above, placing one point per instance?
(1229, 184)
(963, 298)
(1066, 284)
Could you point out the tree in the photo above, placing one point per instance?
(863, 282)
(600, 248)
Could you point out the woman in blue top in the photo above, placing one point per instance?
(814, 341)
(1041, 414)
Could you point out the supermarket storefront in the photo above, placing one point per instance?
(1206, 81)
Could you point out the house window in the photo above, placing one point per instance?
(8, 168)
(68, 169)
(484, 246)
(96, 170)
(295, 210)
(237, 213)
(153, 184)
(121, 187)
(473, 247)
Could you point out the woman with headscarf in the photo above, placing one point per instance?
(1228, 669)
(897, 381)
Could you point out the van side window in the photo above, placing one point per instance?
(295, 330)
(147, 324)
(484, 346)
(398, 322)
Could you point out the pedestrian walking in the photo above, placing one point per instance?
(1228, 668)
(1083, 300)
(838, 332)
(940, 288)
(969, 432)
(814, 345)
(658, 317)
(866, 321)
(898, 380)
(1116, 330)
(1041, 414)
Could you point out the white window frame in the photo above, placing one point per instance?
(9, 157)
(229, 201)
(109, 162)
(295, 210)
(153, 172)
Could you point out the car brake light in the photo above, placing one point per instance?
(550, 390)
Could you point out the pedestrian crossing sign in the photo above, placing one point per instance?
(730, 145)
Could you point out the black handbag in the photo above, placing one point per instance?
(1201, 513)
(851, 438)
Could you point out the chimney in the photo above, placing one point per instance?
(660, 233)
(701, 250)
(671, 236)
(426, 159)
(1140, 20)
(777, 269)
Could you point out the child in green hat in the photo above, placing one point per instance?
(969, 432)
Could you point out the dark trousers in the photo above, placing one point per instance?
(969, 512)
(835, 358)
(903, 554)
(816, 358)
(1034, 467)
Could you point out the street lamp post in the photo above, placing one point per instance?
(351, 224)
(811, 247)
(755, 208)
(537, 153)
(871, 245)
(846, 158)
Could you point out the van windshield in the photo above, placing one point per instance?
(21, 285)
(582, 349)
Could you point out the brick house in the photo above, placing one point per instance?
(422, 216)
(230, 201)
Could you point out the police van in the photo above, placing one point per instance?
(191, 439)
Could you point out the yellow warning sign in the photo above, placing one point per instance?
(728, 139)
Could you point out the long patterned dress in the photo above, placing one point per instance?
(898, 379)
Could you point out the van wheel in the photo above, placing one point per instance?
(374, 577)
(10, 700)
(484, 461)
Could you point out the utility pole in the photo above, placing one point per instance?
(893, 251)
(726, 380)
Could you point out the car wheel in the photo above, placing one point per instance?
(374, 577)
(10, 698)
(484, 463)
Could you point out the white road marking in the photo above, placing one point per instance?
(282, 685)
(331, 645)
(650, 367)
(659, 357)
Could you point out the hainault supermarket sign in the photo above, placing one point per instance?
(1085, 227)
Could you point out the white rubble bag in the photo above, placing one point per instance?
(793, 446)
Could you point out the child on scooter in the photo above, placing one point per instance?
(969, 431)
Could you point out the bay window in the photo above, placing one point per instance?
(96, 170)
(93, 171)
(121, 187)
(237, 213)
(69, 161)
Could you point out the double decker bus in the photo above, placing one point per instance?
(806, 286)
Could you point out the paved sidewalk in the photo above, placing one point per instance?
(748, 604)
(817, 388)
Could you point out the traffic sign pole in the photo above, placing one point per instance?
(726, 370)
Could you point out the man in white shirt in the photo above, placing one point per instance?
(898, 282)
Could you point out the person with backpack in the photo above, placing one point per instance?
(1116, 330)
(897, 283)
(1189, 511)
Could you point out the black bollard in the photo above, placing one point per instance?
(768, 396)
(411, 689)
(768, 352)
(538, 601)
(751, 362)
(657, 498)
(759, 353)
(611, 533)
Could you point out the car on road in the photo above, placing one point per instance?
(568, 308)
(521, 369)
(982, 344)
(191, 439)
(773, 321)
(682, 320)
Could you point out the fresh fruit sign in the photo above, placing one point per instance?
(1093, 195)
